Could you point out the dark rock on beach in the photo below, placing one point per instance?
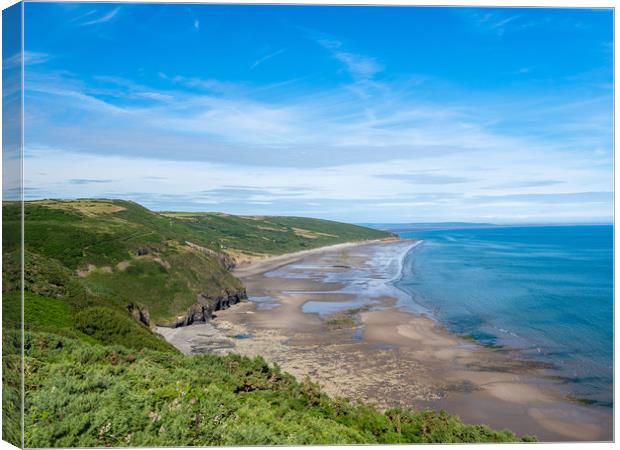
(206, 305)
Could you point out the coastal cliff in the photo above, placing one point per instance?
(206, 305)
(168, 269)
(199, 312)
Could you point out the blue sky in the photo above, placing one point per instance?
(362, 114)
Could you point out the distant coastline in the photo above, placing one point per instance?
(440, 226)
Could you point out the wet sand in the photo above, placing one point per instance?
(334, 315)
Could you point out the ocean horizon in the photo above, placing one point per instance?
(542, 292)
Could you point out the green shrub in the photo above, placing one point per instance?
(108, 326)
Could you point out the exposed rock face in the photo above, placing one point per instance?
(206, 305)
(225, 260)
(142, 251)
(140, 314)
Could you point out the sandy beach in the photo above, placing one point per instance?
(255, 266)
(334, 315)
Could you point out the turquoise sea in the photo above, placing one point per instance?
(546, 291)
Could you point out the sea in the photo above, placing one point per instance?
(543, 292)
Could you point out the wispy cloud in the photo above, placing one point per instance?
(500, 25)
(29, 59)
(421, 178)
(82, 181)
(350, 192)
(32, 58)
(359, 66)
(261, 60)
(229, 119)
(104, 18)
(563, 197)
(527, 184)
(203, 84)
(491, 21)
(525, 70)
(195, 21)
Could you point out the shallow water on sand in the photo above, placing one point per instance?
(363, 282)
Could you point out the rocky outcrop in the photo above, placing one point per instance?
(143, 251)
(140, 314)
(201, 311)
(224, 259)
(206, 305)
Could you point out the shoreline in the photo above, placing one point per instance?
(401, 263)
(267, 263)
(385, 355)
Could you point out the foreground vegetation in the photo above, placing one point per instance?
(95, 373)
(91, 395)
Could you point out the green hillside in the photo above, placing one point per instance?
(123, 255)
(100, 273)
(270, 235)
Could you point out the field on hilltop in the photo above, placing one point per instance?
(271, 235)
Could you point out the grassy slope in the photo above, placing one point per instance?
(95, 376)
